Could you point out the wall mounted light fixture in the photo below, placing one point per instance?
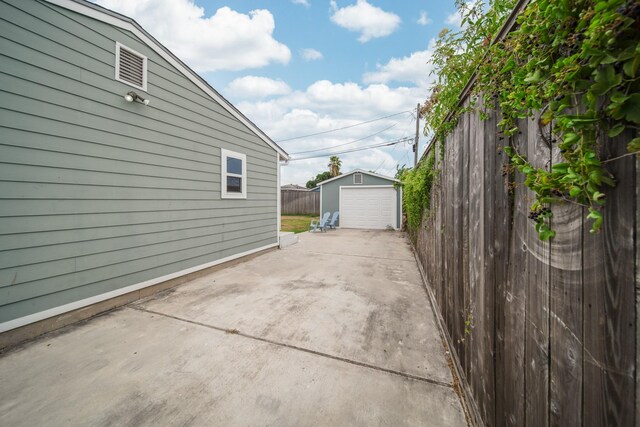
(132, 96)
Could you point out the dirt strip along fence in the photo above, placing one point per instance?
(298, 202)
(552, 334)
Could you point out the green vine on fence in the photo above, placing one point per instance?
(575, 61)
(417, 184)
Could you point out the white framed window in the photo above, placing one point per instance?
(357, 178)
(233, 175)
(131, 67)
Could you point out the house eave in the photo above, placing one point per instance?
(108, 16)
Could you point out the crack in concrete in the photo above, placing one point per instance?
(360, 256)
(294, 347)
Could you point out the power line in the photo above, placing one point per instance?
(351, 150)
(345, 127)
(383, 144)
(346, 143)
(406, 157)
(385, 160)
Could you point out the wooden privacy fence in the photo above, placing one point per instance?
(299, 202)
(552, 333)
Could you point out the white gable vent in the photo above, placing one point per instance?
(131, 67)
(357, 178)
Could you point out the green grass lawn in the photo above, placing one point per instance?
(296, 223)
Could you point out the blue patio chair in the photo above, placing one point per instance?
(320, 225)
(334, 219)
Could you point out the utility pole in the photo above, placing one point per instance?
(415, 144)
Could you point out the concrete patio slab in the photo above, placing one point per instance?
(336, 330)
(349, 293)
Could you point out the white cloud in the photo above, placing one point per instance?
(414, 68)
(424, 18)
(344, 96)
(305, 3)
(454, 19)
(311, 54)
(370, 21)
(257, 87)
(227, 40)
(324, 98)
(326, 105)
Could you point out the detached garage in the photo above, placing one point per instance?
(364, 199)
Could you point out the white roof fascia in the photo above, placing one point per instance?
(117, 20)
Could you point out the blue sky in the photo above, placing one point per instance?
(344, 57)
(299, 67)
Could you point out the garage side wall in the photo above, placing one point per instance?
(331, 193)
(99, 194)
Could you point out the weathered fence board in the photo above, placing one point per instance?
(489, 158)
(637, 283)
(467, 309)
(609, 312)
(554, 336)
(499, 236)
(565, 375)
(450, 254)
(297, 202)
(515, 304)
(537, 296)
(480, 317)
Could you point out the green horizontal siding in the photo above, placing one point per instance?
(55, 191)
(94, 222)
(58, 237)
(106, 281)
(97, 194)
(36, 80)
(130, 119)
(96, 253)
(36, 208)
(93, 40)
(55, 152)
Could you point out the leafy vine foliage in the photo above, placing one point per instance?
(417, 184)
(575, 62)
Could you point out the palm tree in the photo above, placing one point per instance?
(334, 165)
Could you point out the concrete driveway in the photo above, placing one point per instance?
(336, 330)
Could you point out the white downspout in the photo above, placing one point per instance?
(278, 197)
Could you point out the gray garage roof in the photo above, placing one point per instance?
(359, 171)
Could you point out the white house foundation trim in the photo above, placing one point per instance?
(287, 239)
(56, 311)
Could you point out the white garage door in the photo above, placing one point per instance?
(368, 207)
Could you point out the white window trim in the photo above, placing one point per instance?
(361, 178)
(223, 174)
(144, 67)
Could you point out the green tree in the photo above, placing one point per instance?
(334, 165)
(313, 183)
(401, 172)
